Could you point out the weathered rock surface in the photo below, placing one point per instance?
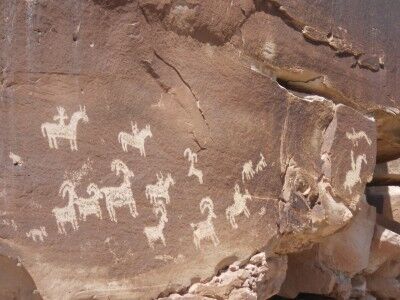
(197, 149)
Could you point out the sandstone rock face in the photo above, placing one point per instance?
(197, 149)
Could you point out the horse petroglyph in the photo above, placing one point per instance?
(155, 233)
(238, 206)
(261, 164)
(37, 234)
(136, 139)
(354, 137)
(192, 158)
(205, 229)
(353, 175)
(248, 171)
(121, 195)
(66, 214)
(61, 130)
(160, 189)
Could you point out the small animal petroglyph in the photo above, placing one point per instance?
(120, 196)
(261, 163)
(238, 206)
(354, 137)
(60, 130)
(353, 175)
(16, 159)
(10, 222)
(155, 233)
(248, 171)
(90, 206)
(37, 234)
(205, 229)
(136, 139)
(66, 214)
(160, 190)
(192, 158)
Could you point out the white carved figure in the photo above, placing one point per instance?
(160, 189)
(90, 206)
(192, 158)
(353, 175)
(37, 234)
(238, 206)
(248, 171)
(136, 139)
(66, 214)
(261, 163)
(155, 233)
(355, 136)
(120, 196)
(61, 130)
(205, 229)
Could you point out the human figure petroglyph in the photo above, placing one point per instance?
(60, 130)
(353, 175)
(261, 163)
(239, 206)
(205, 229)
(90, 206)
(66, 214)
(155, 233)
(356, 136)
(11, 223)
(192, 158)
(160, 189)
(120, 196)
(37, 234)
(248, 171)
(136, 139)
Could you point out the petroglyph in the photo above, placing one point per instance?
(90, 206)
(61, 130)
(66, 214)
(248, 171)
(136, 139)
(160, 190)
(10, 223)
(155, 233)
(192, 158)
(76, 176)
(37, 234)
(238, 206)
(16, 159)
(261, 163)
(120, 196)
(354, 137)
(205, 229)
(353, 175)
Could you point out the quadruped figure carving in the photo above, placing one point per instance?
(193, 171)
(136, 139)
(66, 214)
(205, 229)
(155, 233)
(37, 234)
(90, 206)
(239, 206)
(354, 137)
(122, 195)
(61, 130)
(353, 175)
(160, 190)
